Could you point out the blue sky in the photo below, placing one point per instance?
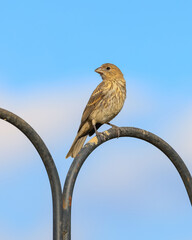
(48, 53)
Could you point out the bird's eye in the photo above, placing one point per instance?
(108, 68)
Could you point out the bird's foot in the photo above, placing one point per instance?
(115, 127)
(101, 135)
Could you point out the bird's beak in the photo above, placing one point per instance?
(99, 70)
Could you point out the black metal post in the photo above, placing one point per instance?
(49, 164)
(94, 143)
(62, 202)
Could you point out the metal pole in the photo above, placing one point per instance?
(49, 164)
(62, 202)
(94, 143)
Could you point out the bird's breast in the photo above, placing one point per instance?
(111, 103)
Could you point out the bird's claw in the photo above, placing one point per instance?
(101, 135)
(115, 127)
(118, 131)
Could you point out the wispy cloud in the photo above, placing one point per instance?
(54, 114)
(180, 133)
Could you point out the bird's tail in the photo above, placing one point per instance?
(76, 146)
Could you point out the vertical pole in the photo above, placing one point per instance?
(49, 164)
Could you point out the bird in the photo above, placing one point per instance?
(104, 104)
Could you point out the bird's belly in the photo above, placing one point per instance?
(107, 110)
(105, 116)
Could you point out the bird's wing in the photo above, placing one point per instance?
(95, 98)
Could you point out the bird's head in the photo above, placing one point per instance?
(109, 71)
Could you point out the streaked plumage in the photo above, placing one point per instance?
(104, 104)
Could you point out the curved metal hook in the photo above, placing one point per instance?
(46, 157)
(94, 143)
(65, 220)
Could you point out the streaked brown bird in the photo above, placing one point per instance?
(104, 104)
